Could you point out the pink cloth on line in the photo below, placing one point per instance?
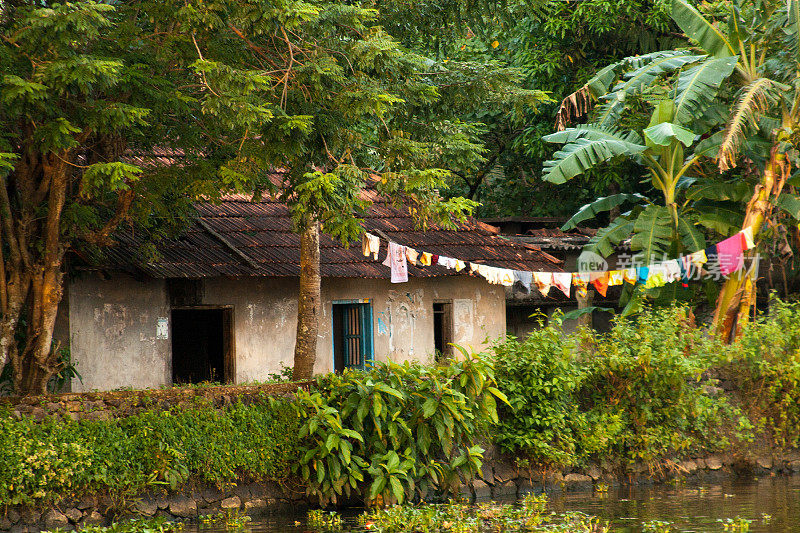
(396, 260)
(730, 254)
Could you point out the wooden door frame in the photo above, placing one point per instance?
(228, 337)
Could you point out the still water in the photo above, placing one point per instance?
(691, 508)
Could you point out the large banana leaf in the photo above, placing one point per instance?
(665, 133)
(606, 239)
(698, 86)
(594, 133)
(789, 203)
(691, 237)
(722, 218)
(652, 232)
(579, 156)
(640, 78)
(602, 204)
(709, 37)
(708, 189)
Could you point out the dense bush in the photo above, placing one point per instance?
(54, 458)
(765, 368)
(633, 394)
(396, 430)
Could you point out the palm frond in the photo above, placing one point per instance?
(753, 101)
(698, 86)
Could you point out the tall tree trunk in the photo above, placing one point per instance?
(309, 303)
(739, 291)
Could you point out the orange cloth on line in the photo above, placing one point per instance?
(425, 259)
(412, 255)
(600, 282)
(543, 281)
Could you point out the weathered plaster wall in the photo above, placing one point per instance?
(403, 314)
(113, 323)
(264, 321)
(113, 332)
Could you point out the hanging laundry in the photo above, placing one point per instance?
(412, 255)
(580, 280)
(600, 282)
(656, 276)
(522, 277)
(672, 270)
(460, 265)
(749, 238)
(396, 260)
(447, 262)
(629, 275)
(506, 277)
(434, 259)
(563, 281)
(543, 281)
(425, 259)
(486, 273)
(370, 244)
(473, 267)
(730, 254)
(616, 277)
(692, 264)
(642, 274)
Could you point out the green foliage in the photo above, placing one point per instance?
(143, 525)
(529, 515)
(765, 365)
(631, 395)
(230, 519)
(56, 458)
(395, 430)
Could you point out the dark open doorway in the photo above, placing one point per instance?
(202, 347)
(442, 329)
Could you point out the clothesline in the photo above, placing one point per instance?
(723, 258)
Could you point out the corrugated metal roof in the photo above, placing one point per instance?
(261, 231)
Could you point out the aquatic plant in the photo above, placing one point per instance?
(230, 519)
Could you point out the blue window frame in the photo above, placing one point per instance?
(352, 334)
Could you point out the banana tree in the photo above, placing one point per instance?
(765, 38)
(663, 148)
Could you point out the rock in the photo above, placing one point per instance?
(162, 502)
(19, 528)
(146, 507)
(182, 507)
(481, 490)
(13, 515)
(93, 518)
(30, 516)
(506, 488)
(255, 505)
(713, 463)
(97, 415)
(87, 502)
(701, 464)
(5, 524)
(16, 414)
(486, 474)
(234, 502)
(504, 472)
(74, 515)
(53, 519)
(794, 466)
(212, 495)
(594, 472)
(764, 462)
(577, 479)
(687, 466)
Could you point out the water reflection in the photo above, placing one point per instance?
(690, 508)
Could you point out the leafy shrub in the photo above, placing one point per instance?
(765, 367)
(395, 430)
(633, 394)
(55, 458)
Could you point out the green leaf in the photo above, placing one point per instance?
(429, 407)
(665, 133)
(691, 237)
(602, 204)
(577, 313)
(698, 86)
(607, 239)
(694, 24)
(579, 156)
(722, 219)
(789, 203)
(397, 489)
(651, 232)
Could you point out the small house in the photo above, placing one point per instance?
(219, 303)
